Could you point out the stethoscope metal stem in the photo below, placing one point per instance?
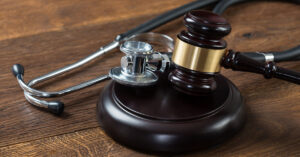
(65, 69)
(56, 106)
(28, 90)
(75, 65)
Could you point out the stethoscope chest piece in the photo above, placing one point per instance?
(133, 70)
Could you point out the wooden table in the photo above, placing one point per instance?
(46, 35)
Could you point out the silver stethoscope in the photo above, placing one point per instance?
(137, 68)
(145, 53)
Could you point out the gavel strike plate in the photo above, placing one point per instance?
(159, 119)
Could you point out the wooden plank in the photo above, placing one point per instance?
(273, 105)
(23, 18)
(91, 142)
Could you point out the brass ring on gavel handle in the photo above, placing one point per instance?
(197, 58)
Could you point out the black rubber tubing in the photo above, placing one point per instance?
(222, 5)
(165, 17)
(287, 55)
(292, 54)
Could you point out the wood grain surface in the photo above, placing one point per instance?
(44, 35)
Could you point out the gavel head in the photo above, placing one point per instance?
(198, 52)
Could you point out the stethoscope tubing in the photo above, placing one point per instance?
(287, 55)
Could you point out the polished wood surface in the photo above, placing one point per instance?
(46, 35)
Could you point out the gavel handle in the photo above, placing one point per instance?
(237, 61)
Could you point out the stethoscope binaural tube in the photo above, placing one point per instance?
(53, 106)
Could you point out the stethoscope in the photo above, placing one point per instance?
(141, 58)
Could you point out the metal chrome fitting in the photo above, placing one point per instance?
(133, 69)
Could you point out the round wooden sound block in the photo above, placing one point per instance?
(159, 119)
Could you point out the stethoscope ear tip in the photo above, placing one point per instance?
(17, 69)
(56, 107)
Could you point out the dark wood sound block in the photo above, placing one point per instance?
(159, 119)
